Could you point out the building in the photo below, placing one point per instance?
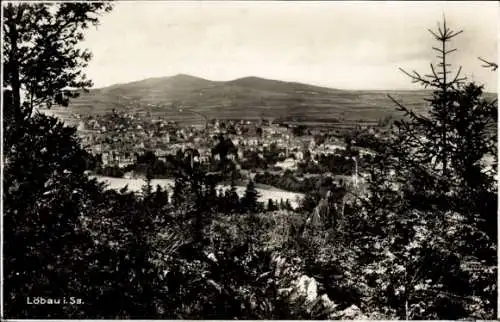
(288, 164)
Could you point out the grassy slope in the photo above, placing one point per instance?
(245, 98)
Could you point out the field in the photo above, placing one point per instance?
(265, 194)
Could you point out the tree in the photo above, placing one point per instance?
(299, 130)
(46, 193)
(258, 131)
(41, 57)
(425, 212)
(288, 205)
(210, 193)
(223, 148)
(271, 206)
(249, 202)
(232, 199)
(123, 270)
(319, 139)
(458, 133)
(309, 202)
(160, 197)
(49, 201)
(282, 204)
(148, 158)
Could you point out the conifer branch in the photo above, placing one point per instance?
(488, 64)
(434, 34)
(455, 34)
(438, 50)
(419, 118)
(436, 77)
(457, 79)
(417, 78)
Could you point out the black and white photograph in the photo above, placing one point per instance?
(250, 160)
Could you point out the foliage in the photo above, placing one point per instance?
(430, 205)
(45, 195)
(271, 206)
(249, 202)
(41, 56)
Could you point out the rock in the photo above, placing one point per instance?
(327, 303)
(306, 286)
(351, 313)
(215, 285)
(323, 305)
(285, 291)
(212, 257)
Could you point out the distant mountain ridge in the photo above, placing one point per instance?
(242, 98)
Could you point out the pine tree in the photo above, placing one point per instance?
(178, 196)
(249, 201)
(271, 206)
(428, 180)
(147, 189)
(159, 197)
(458, 133)
(309, 202)
(210, 193)
(233, 199)
(282, 204)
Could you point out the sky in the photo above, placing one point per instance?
(345, 45)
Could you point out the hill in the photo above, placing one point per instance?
(244, 98)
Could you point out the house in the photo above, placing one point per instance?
(105, 158)
(240, 154)
(364, 152)
(288, 164)
(204, 158)
(125, 160)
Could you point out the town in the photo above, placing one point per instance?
(119, 141)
